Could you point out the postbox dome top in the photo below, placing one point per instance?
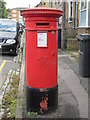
(41, 12)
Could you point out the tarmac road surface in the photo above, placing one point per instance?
(6, 63)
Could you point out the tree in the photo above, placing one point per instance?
(3, 11)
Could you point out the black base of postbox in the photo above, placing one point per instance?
(41, 100)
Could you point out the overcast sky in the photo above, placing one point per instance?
(21, 3)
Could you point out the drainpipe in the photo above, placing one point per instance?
(63, 44)
(76, 23)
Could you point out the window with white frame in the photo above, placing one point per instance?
(14, 11)
(84, 13)
(14, 15)
(70, 10)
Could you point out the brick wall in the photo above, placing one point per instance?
(83, 31)
(14, 13)
(72, 44)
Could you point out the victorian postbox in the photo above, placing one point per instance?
(41, 26)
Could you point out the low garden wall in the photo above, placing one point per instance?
(72, 44)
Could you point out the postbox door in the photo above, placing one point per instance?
(41, 59)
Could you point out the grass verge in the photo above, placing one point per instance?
(10, 98)
(74, 54)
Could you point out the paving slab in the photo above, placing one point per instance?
(72, 97)
(67, 103)
(74, 65)
(78, 91)
(67, 108)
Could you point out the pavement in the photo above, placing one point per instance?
(72, 91)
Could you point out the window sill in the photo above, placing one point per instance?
(69, 21)
(80, 27)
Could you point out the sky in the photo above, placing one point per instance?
(21, 3)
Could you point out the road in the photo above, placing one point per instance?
(7, 63)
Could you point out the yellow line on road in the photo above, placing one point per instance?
(2, 65)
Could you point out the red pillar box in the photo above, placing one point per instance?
(41, 58)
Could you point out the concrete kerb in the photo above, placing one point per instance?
(20, 97)
(5, 89)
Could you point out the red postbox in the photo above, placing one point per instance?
(41, 58)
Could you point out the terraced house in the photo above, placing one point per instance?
(75, 20)
(84, 20)
(77, 15)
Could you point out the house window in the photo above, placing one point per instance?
(14, 11)
(83, 4)
(83, 11)
(14, 15)
(51, 3)
(70, 11)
